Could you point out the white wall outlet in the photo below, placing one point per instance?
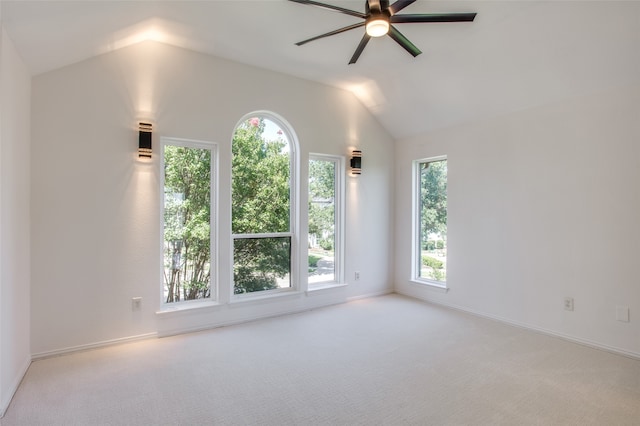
(568, 303)
(356, 275)
(622, 313)
(136, 303)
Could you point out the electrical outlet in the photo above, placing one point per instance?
(622, 313)
(356, 275)
(568, 303)
(136, 302)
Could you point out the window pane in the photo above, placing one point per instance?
(261, 174)
(433, 220)
(187, 219)
(322, 220)
(261, 264)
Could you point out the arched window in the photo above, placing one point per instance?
(263, 200)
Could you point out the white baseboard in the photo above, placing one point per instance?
(213, 325)
(6, 400)
(370, 295)
(567, 337)
(184, 330)
(219, 324)
(95, 345)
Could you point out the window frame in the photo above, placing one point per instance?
(293, 232)
(213, 221)
(416, 249)
(339, 218)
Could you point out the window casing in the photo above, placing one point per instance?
(263, 194)
(429, 265)
(189, 243)
(326, 218)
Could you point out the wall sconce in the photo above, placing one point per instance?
(356, 162)
(144, 140)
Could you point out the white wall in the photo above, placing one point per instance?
(15, 93)
(96, 236)
(543, 204)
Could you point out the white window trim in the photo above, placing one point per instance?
(339, 183)
(415, 229)
(294, 217)
(213, 220)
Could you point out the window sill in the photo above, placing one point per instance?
(186, 307)
(318, 288)
(431, 285)
(260, 296)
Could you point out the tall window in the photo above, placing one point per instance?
(430, 201)
(325, 219)
(188, 182)
(262, 205)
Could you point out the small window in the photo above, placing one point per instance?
(430, 222)
(262, 191)
(325, 219)
(188, 189)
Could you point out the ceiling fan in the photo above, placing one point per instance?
(378, 17)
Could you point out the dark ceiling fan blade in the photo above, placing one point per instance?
(436, 17)
(403, 41)
(360, 48)
(332, 7)
(399, 5)
(334, 32)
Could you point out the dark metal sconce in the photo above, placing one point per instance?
(144, 140)
(356, 162)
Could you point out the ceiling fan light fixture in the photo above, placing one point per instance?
(377, 27)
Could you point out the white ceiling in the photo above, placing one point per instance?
(516, 55)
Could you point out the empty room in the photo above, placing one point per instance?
(295, 212)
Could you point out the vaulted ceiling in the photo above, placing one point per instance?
(516, 54)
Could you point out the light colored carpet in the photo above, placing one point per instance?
(383, 361)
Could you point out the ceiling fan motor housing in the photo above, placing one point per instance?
(384, 7)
